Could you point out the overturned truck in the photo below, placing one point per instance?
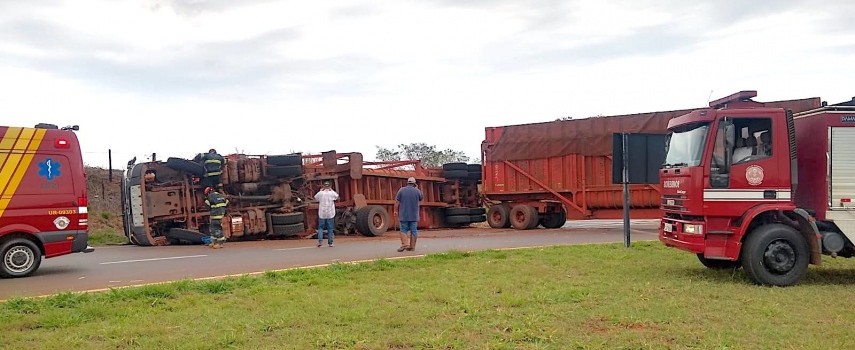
(272, 197)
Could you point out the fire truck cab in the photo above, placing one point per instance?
(745, 184)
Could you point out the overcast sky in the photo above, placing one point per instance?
(266, 77)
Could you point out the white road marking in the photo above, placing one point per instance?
(296, 248)
(155, 259)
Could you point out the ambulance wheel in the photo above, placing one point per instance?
(21, 257)
(717, 264)
(775, 255)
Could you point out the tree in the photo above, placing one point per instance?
(427, 154)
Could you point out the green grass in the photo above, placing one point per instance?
(106, 236)
(592, 297)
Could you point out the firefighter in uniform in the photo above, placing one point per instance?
(213, 163)
(217, 204)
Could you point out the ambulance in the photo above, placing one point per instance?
(42, 197)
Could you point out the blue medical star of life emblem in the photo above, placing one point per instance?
(49, 169)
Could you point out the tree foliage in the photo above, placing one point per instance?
(427, 154)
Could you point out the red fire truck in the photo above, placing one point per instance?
(43, 204)
(751, 185)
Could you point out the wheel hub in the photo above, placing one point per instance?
(779, 257)
(18, 259)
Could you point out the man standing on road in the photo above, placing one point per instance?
(213, 163)
(326, 212)
(217, 204)
(407, 200)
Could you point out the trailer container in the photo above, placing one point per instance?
(546, 173)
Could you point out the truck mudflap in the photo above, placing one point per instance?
(812, 235)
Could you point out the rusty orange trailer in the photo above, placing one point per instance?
(546, 173)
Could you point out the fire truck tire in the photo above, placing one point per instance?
(20, 258)
(286, 159)
(775, 255)
(477, 218)
(717, 264)
(287, 219)
(524, 217)
(455, 174)
(458, 219)
(372, 220)
(456, 211)
(454, 166)
(288, 230)
(285, 171)
(187, 166)
(554, 220)
(477, 211)
(499, 216)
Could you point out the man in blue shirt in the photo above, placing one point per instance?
(407, 200)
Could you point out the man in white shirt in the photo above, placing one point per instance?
(326, 198)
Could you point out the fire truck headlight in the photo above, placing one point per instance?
(693, 229)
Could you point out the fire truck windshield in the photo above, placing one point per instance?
(685, 145)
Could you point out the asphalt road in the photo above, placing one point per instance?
(116, 266)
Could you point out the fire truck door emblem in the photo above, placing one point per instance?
(754, 175)
(61, 222)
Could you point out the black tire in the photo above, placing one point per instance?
(372, 220)
(185, 165)
(524, 217)
(499, 216)
(473, 168)
(477, 218)
(285, 171)
(454, 166)
(287, 219)
(717, 264)
(19, 257)
(456, 211)
(458, 219)
(477, 211)
(775, 255)
(554, 220)
(473, 176)
(286, 159)
(455, 174)
(288, 230)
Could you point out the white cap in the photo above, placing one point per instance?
(411, 180)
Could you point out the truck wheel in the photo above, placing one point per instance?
(454, 166)
(372, 220)
(287, 219)
(717, 264)
(456, 211)
(185, 165)
(285, 170)
(554, 220)
(524, 217)
(288, 230)
(286, 159)
(458, 219)
(775, 255)
(21, 257)
(499, 216)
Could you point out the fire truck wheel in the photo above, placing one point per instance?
(372, 220)
(524, 217)
(775, 255)
(717, 264)
(554, 220)
(498, 216)
(21, 257)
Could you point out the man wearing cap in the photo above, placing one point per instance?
(326, 212)
(407, 200)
